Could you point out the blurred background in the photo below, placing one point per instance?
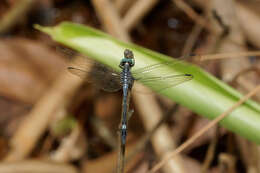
(53, 122)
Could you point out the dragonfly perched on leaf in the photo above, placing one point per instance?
(111, 80)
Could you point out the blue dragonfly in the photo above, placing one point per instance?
(111, 80)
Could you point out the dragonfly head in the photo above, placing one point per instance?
(128, 58)
(128, 54)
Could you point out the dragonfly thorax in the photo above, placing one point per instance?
(131, 62)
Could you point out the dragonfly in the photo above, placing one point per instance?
(111, 80)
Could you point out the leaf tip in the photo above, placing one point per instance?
(42, 28)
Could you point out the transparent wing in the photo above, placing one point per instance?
(139, 73)
(106, 80)
(93, 72)
(159, 83)
(148, 75)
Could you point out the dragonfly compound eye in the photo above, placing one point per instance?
(128, 54)
(129, 57)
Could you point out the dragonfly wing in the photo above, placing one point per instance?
(138, 73)
(160, 83)
(147, 69)
(98, 74)
(148, 75)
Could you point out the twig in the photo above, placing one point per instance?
(219, 20)
(15, 14)
(203, 130)
(227, 55)
(193, 36)
(225, 16)
(250, 22)
(226, 163)
(244, 71)
(146, 138)
(36, 166)
(162, 140)
(110, 19)
(210, 152)
(246, 85)
(193, 15)
(248, 154)
(122, 5)
(200, 20)
(137, 12)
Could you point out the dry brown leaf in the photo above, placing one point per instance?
(27, 68)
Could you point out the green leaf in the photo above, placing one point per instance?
(205, 94)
